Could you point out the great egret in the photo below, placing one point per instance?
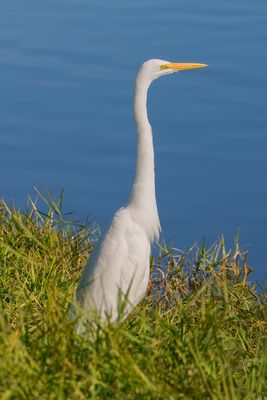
(117, 271)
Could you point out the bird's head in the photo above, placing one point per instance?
(153, 69)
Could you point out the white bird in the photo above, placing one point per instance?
(116, 275)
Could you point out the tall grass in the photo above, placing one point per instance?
(200, 333)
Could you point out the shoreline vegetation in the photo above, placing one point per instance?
(200, 332)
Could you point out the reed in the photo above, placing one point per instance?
(200, 332)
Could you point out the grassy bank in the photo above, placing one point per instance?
(200, 333)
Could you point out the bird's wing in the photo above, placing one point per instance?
(119, 263)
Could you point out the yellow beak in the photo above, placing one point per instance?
(182, 66)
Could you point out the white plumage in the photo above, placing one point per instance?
(117, 271)
(118, 266)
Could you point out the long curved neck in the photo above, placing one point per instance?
(144, 184)
(143, 191)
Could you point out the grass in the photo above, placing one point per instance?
(200, 333)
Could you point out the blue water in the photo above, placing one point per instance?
(67, 71)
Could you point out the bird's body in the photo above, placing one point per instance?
(117, 269)
(117, 273)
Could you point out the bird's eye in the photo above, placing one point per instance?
(164, 66)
